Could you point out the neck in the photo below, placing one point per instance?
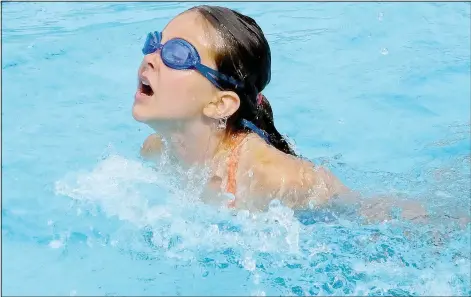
(191, 142)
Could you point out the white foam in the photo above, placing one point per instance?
(171, 209)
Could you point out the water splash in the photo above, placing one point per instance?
(162, 219)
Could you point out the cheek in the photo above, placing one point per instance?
(184, 91)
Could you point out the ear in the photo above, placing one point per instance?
(224, 104)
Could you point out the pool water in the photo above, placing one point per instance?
(378, 92)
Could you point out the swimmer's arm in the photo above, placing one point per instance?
(152, 147)
(306, 186)
(326, 190)
(337, 195)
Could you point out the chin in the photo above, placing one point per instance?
(138, 114)
(143, 115)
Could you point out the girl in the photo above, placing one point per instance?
(200, 86)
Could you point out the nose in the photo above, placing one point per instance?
(152, 60)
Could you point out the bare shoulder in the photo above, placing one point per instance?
(296, 182)
(152, 146)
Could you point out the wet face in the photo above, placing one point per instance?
(166, 94)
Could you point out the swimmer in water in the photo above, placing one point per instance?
(200, 88)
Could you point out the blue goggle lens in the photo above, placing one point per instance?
(178, 54)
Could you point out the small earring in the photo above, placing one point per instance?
(222, 124)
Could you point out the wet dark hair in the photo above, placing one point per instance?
(245, 55)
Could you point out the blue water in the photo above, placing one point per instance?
(378, 92)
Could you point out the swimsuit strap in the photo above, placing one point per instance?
(232, 165)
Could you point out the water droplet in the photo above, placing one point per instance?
(228, 196)
(55, 244)
(275, 203)
(380, 16)
(384, 51)
(243, 214)
(256, 279)
(249, 264)
(214, 229)
(89, 242)
(314, 202)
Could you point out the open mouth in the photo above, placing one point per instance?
(145, 88)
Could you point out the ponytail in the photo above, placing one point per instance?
(263, 124)
(264, 120)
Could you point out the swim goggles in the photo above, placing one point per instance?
(179, 54)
